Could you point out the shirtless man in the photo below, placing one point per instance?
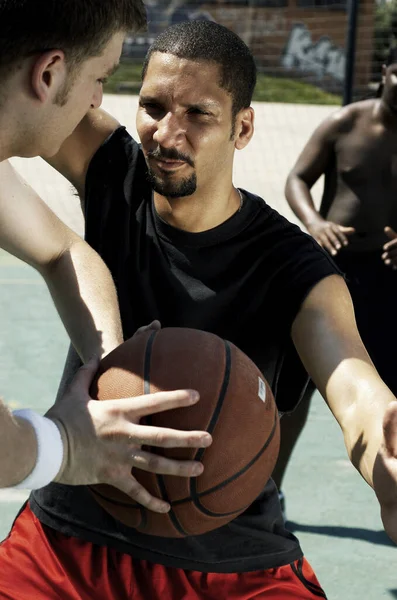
(356, 150)
(54, 57)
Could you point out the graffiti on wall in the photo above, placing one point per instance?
(322, 58)
(161, 14)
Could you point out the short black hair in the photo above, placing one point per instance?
(81, 28)
(209, 41)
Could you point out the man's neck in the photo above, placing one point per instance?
(387, 115)
(7, 145)
(198, 212)
(14, 136)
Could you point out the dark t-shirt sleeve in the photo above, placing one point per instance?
(112, 179)
(299, 265)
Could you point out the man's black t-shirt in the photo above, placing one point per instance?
(245, 281)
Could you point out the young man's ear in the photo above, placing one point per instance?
(244, 129)
(48, 75)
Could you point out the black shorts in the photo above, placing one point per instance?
(373, 287)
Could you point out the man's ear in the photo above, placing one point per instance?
(48, 75)
(244, 127)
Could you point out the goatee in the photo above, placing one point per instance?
(173, 189)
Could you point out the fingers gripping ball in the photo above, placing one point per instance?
(236, 406)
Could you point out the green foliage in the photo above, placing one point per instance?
(280, 89)
(126, 79)
(268, 89)
(385, 34)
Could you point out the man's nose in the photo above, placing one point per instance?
(169, 131)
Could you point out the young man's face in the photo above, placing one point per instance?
(86, 91)
(184, 122)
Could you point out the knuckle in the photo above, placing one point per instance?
(134, 455)
(153, 462)
(183, 469)
(193, 441)
(159, 438)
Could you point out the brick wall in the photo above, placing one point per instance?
(308, 43)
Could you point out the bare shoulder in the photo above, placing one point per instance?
(347, 117)
(75, 154)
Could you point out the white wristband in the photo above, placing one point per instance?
(49, 450)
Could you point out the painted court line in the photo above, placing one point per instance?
(9, 495)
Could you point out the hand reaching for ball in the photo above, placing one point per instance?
(102, 440)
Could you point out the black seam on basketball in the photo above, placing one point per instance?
(146, 365)
(214, 419)
(160, 480)
(218, 407)
(216, 487)
(315, 589)
(196, 498)
(139, 507)
(247, 466)
(171, 514)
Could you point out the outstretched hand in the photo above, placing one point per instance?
(385, 472)
(103, 440)
(389, 255)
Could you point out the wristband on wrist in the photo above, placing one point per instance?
(49, 450)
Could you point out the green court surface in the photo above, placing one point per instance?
(332, 510)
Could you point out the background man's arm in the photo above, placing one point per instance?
(327, 340)
(311, 164)
(80, 283)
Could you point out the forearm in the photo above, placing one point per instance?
(362, 424)
(298, 196)
(18, 448)
(85, 297)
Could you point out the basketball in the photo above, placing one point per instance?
(236, 407)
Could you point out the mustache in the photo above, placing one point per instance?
(170, 154)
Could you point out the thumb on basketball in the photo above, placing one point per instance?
(154, 325)
(86, 373)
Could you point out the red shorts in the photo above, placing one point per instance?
(38, 563)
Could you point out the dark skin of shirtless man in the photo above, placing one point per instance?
(356, 150)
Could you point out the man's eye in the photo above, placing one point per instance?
(102, 80)
(197, 111)
(151, 107)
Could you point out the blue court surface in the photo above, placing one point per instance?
(331, 509)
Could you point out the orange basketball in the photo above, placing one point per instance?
(236, 406)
